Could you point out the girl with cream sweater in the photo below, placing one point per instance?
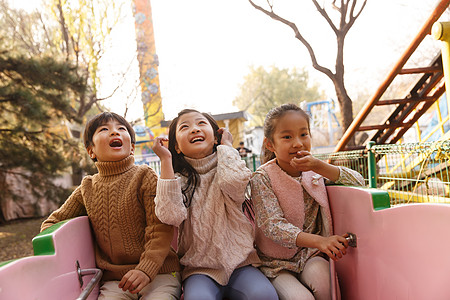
(201, 190)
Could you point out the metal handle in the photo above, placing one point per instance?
(351, 239)
(90, 286)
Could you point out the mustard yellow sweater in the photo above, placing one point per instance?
(119, 202)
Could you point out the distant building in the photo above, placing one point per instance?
(254, 139)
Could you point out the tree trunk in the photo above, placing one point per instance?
(346, 107)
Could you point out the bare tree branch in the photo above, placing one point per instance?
(299, 36)
(44, 27)
(352, 17)
(62, 22)
(348, 14)
(325, 16)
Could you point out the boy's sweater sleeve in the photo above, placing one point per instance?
(170, 208)
(232, 173)
(158, 236)
(73, 207)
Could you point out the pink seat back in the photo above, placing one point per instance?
(401, 251)
(52, 273)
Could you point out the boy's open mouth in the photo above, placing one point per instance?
(115, 143)
(197, 139)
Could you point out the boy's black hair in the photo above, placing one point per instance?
(179, 163)
(102, 119)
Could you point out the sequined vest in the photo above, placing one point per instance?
(290, 197)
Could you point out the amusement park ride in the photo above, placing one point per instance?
(426, 91)
(393, 257)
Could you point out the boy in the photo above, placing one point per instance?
(132, 246)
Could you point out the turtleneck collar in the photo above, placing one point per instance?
(203, 165)
(110, 168)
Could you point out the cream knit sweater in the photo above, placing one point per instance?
(215, 237)
(120, 206)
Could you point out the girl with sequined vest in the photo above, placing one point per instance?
(294, 234)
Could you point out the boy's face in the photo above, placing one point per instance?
(111, 142)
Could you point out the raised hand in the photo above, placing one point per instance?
(304, 161)
(160, 149)
(227, 137)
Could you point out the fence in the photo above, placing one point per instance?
(410, 173)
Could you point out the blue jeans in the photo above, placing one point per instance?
(246, 283)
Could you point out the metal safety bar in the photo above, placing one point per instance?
(90, 286)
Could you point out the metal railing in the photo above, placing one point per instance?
(410, 173)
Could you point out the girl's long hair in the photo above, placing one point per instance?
(270, 124)
(179, 163)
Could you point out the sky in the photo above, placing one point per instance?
(206, 48)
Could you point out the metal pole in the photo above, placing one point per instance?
(372, 165)
(441, 32)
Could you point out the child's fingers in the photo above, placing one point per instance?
(303, 153)
(227, 137)
(331, 255)
(127, 280)
(141, 281)
(343, 240)
(302, 163)
(160, 140)
(127, 285)
(336, 252)
(339, 250)
(342, 248)
(138, 288)
(122, 283)
(124, 280)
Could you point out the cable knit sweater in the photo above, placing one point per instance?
(215, 237)
(119, 202)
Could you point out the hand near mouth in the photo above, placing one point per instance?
(304, 161)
